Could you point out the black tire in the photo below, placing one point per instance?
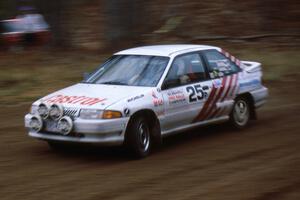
(240, 114)
(138, 137)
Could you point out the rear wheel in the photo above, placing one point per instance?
(240, 115)
(138, 137)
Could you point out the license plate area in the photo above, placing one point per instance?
(51, 126)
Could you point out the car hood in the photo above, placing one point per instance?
(95, 96)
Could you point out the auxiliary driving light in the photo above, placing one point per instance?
(56, 112)
(65, 125)
(43, 110)
(36, 123)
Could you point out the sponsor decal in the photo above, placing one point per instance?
(160, 112)
(135, 98)
(156, 101)
(214, 74)
(176, 97)
(196, 92)
(82, 100)
(217, 83)
(126, 111)
(154, 95)
(221, 74)
(250, 84)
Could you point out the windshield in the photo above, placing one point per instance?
(133, 70)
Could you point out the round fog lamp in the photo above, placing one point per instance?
(65, 125)
(56, 112)
(36, 123)
(43, 110)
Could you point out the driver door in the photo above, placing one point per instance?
(184, 90)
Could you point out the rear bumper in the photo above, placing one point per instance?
(106, 132)
(260, 96)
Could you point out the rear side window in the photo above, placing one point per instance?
(219, 65)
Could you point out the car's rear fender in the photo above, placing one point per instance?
(249, 97)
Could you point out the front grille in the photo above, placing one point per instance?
(71, 112)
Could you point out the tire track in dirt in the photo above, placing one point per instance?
(208, 163)
(118, 167)
(193, 173)
(86, 174)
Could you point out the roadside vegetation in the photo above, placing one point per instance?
(28, 75)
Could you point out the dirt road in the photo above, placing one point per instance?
(261, 162)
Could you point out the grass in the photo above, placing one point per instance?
(26, 76)
(277, 65)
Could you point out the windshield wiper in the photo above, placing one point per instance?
(113, 83)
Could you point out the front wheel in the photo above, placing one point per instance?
(138, 137)
(240, 115)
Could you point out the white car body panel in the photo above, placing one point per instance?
(172, 107)
(164, 50)
(88, 96)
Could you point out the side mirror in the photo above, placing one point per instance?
(170, 83)
(164, 86)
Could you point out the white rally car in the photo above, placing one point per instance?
(142, 94)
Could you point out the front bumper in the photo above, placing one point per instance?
(106, 132)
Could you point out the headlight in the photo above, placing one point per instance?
(43, 110)
(36, 123)
(56, 112)
(110, 114)
(99, 114)
(65, 125)
(91, 114)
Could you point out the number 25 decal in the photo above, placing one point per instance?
(196, 92)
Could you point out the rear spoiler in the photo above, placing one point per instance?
(250, 66)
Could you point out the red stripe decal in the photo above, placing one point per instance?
(213, 107)
(225, 110)
(232, 58)
(232, 94)
(206, 104)
(215, 113)
(228, 89)
(222, 112)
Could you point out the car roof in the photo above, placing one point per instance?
(164, 50)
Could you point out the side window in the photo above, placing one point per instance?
(218, 64)
(185, 69)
